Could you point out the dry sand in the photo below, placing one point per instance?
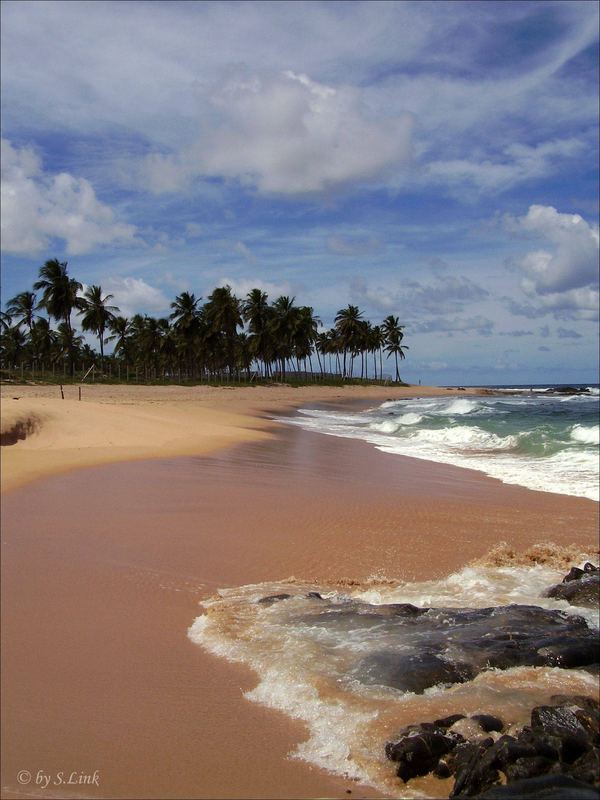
(103, 569)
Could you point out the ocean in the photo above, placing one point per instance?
(526, 436)
(344, 658)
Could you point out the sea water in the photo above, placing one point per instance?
(305, 650)
(534, 438)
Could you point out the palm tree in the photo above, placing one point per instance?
(60, 291)
(223, 315)
(60, 295)
(257, 313)
(347, 323)
(22, 307)
(398, 350)
(5, 320)
(96, 314)
(186, 323)
(41, 340)
(68, 343)
(394, 333)
(13, 342)
(282, 327)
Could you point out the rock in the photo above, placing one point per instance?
(474, 769)
(488, 722)
(546, 787)
(587, 767)
(561, 742)
(415, 652)
(569, 390)
(562, 723)
(274, 598)
(582, 591)
(418, 753)
(411, 673)
(573, 575)
(315, 596)
(469, 729)
(446, 722)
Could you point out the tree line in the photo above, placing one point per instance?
(223, 338)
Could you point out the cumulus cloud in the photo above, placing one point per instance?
(135, 296)
(285, 134)
(37, 207)
(572, 263)
(443, 294)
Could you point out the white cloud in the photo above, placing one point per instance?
(518, 163)
(571, 264)
(37, 207)
(135, 296)
(285, 134)
(242, 286)
(209, 79)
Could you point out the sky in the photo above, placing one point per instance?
(437, 161)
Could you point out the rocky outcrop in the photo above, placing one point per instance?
(486, 638)
(581, 587)
(556, 756)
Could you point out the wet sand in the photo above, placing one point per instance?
(103, 569)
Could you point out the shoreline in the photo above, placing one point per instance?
(46, 435)
(111, 589)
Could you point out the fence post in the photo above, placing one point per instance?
(62, 394)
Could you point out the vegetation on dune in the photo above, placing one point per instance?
(224, 339)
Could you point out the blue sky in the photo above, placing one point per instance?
(437, 161)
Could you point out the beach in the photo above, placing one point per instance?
(122, 512)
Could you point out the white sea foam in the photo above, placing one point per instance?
(516, 440)
(305, 669)
(459, 407)
(586, 435)
(465, 437)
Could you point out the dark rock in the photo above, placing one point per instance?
(418, 753)
(446, 722)
(532, 767)
(570, 655)
(481, 639)
(315, 596)
(411, 673)
(573, 575)
(274, 598)
(587, 767)
(488, 722)
(562, 723)
(474, 769)
(582, 591)
(589, 567)
(546, 787)
(569, 390)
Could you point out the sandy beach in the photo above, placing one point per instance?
(125, 423)
(104, 568)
